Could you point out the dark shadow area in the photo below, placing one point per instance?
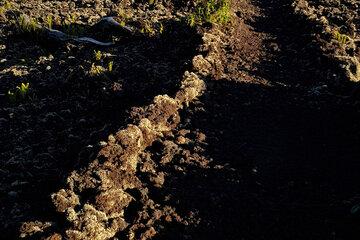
(291, 168)
(70, 107)
(297, 57)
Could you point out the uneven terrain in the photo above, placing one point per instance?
(247, 129)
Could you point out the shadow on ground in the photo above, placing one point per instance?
(290, 166)
(297, 58)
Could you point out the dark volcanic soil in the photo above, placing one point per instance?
(269, 151)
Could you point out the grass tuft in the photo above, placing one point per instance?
(210, 11)
(98, 55)
(110, 66)
(21, 92)
(341, 38)
(27, 24)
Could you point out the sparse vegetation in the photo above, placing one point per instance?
(49, 21)
(26, 24)
(152, 29)
(341, 38)
(123, 15)
(5, 7)
(161, 28)
(100, 67)
(98, 55)
(148, 29)
(23, 89)
(71, 26)
(21, 92)
(110, 66)
(209, 11)
(96, 70)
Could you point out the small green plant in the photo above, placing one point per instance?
(96, 70)
(110, 66)
(152, 28)
(98, 55)
(73, 18)
(191, 20)
(21, 92)
(7, 5)
(161, 28)
(27, 24)
(148, 29)
(341, 38)
(49, 21)
(23, 89)
(124, 15)
(210, 11)
(71, 27)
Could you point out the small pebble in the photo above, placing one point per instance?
(111, 139)
(201, 137)
(181, 140)
(82, 121)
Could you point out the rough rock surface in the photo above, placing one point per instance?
(336, 25)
